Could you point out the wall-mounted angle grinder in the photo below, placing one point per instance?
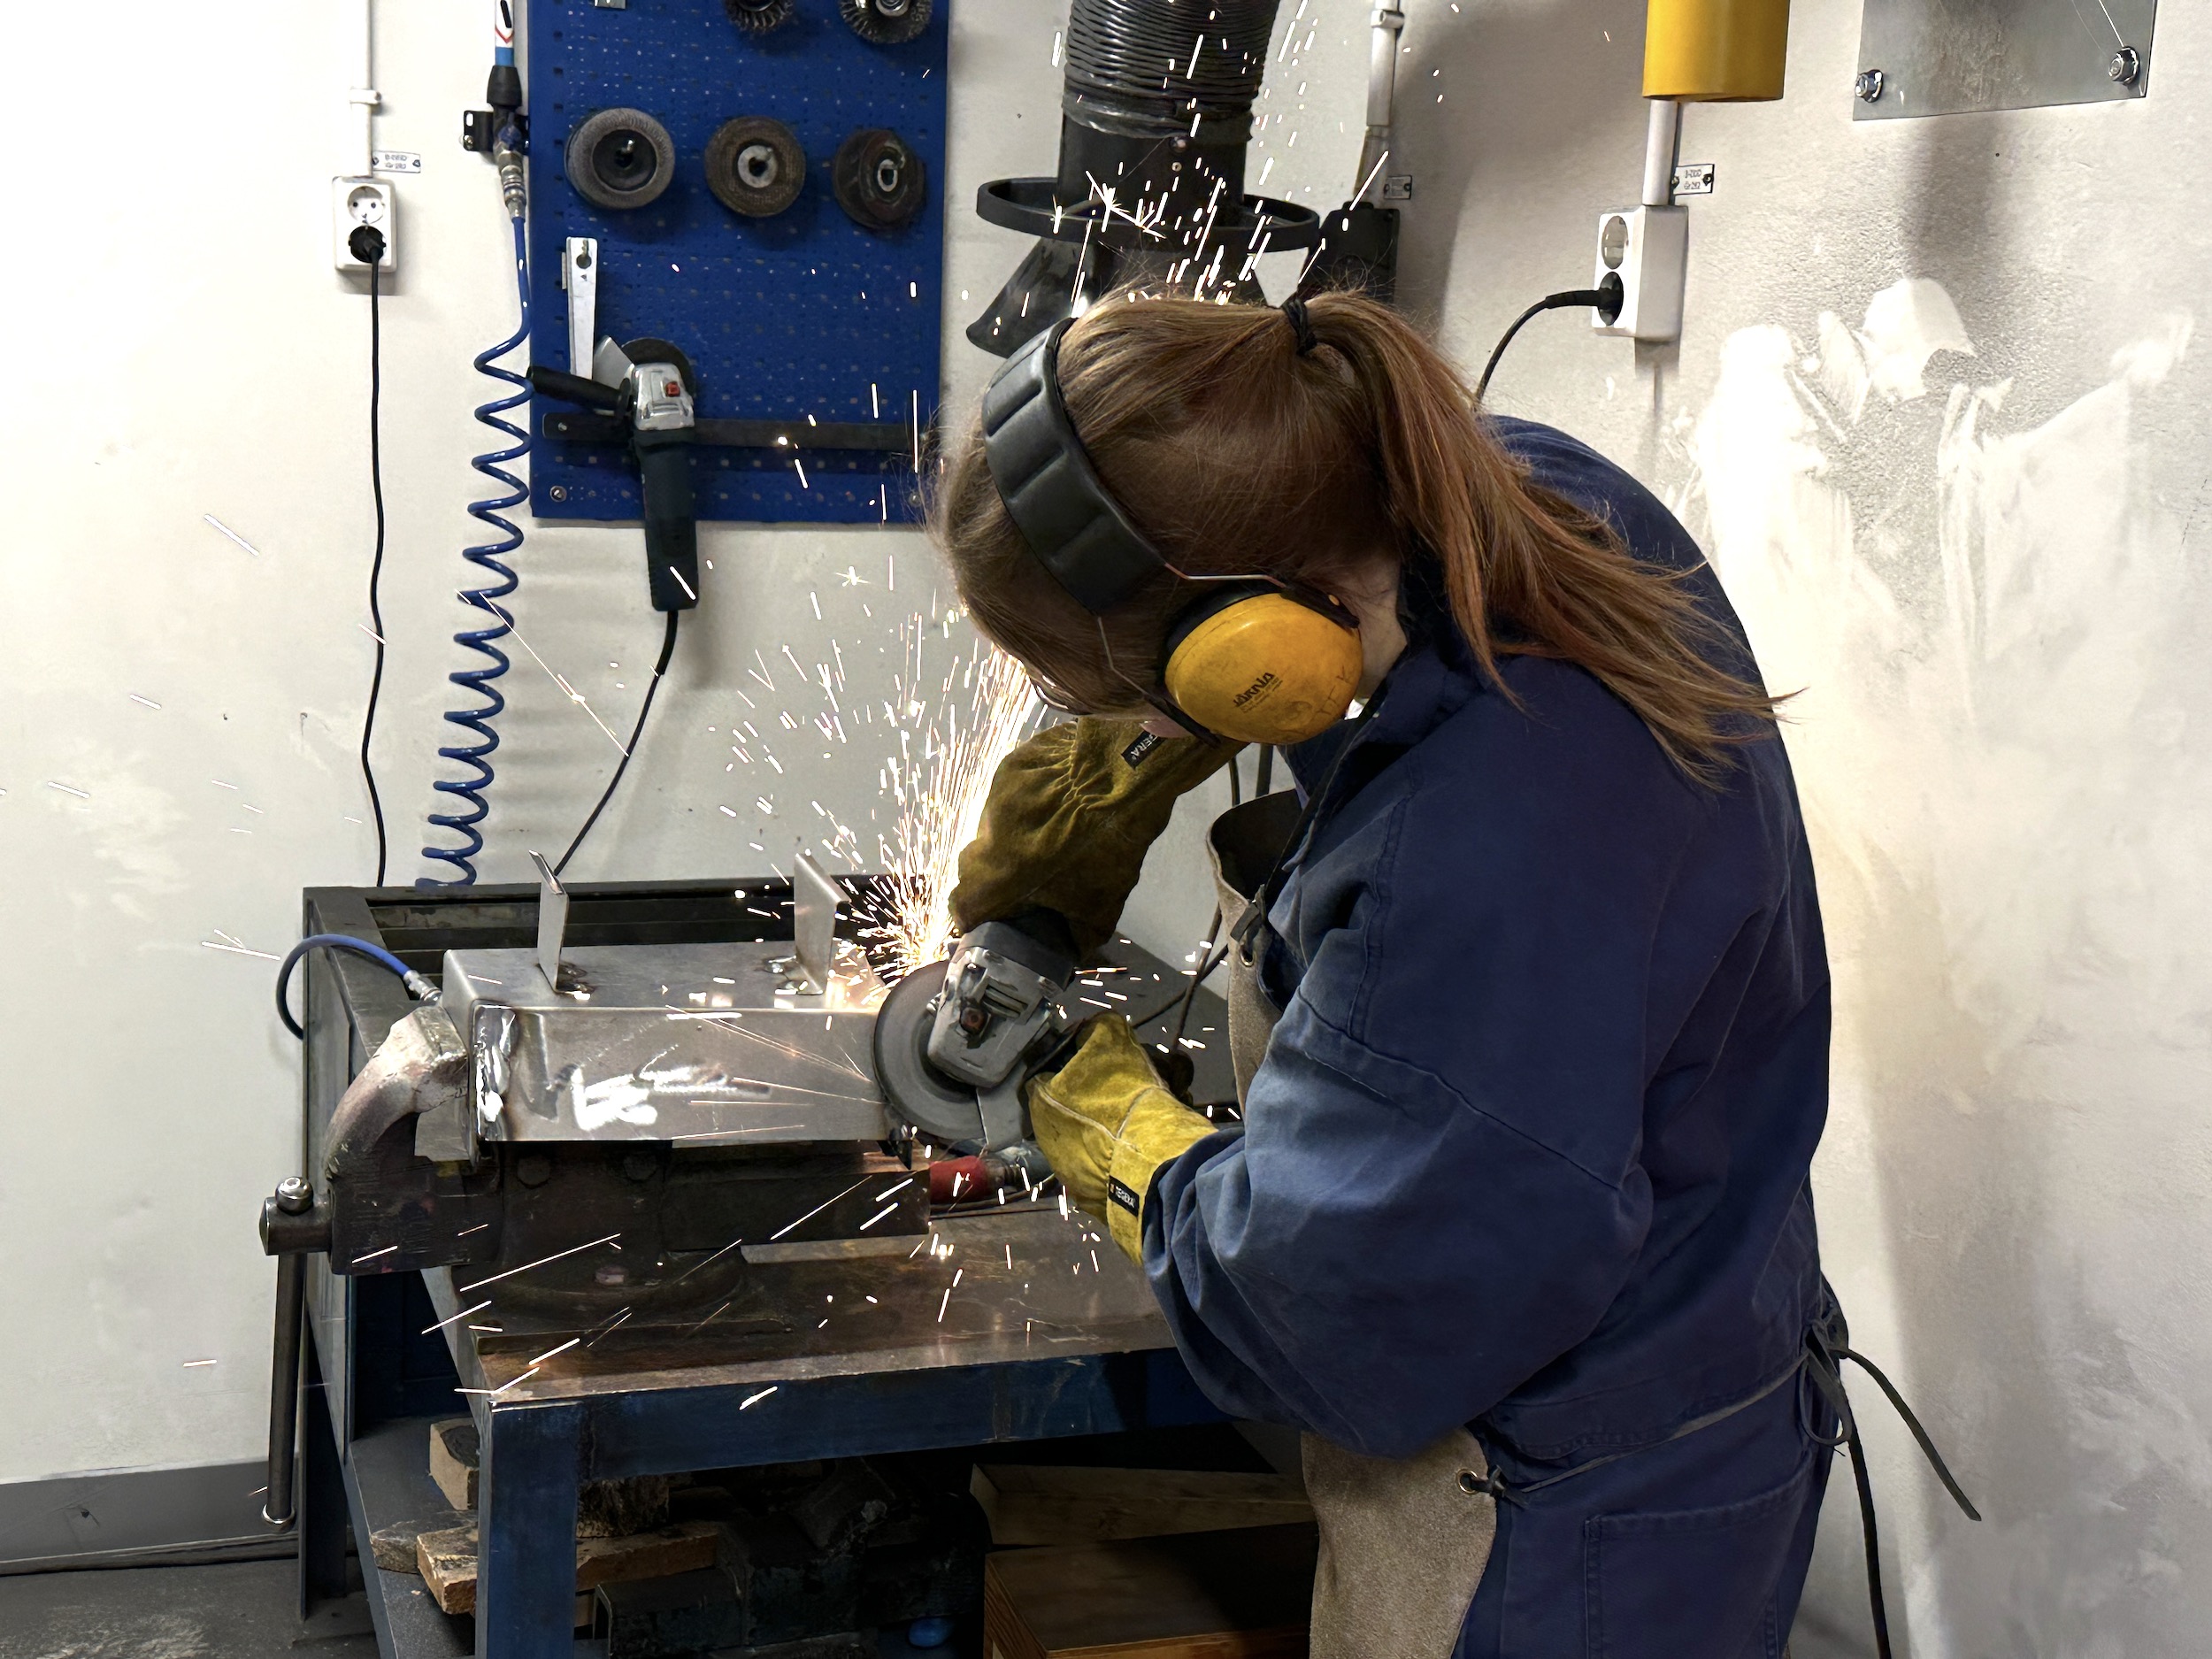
(956, 1041)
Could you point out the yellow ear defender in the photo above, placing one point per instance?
(1262, 665)
(1253, 660)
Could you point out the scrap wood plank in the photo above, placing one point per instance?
(454, 1455)
(1049, 1505)
(1241, 1594)
(394, 1548)
(448, 1560)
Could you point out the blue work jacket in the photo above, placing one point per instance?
(1528, 1151)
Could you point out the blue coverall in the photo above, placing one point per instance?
(1529, 1149)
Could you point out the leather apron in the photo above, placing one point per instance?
(1404, 1540)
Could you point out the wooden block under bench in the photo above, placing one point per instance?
(448, 1560)
(1036, 1504)
(1240, 1594)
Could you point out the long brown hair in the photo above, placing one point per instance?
(1234, 452)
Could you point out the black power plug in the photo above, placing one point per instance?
(366, 244)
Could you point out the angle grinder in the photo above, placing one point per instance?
(956, 1041)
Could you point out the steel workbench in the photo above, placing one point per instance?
(1007, 1322)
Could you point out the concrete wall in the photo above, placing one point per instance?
(1937, 417)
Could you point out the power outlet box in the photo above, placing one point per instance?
(1648, 248)
(356, 202)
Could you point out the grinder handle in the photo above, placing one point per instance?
(672, 524)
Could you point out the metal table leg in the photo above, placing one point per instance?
(320, 1500)
(525, 1584)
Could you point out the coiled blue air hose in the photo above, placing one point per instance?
(477, 721)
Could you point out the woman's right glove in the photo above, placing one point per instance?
(1105, 1122)
(1068, 822)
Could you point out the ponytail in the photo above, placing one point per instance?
(1240, 442)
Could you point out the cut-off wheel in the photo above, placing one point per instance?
(915, 1090)
(757, 17)
(620, 158)
(755, 166)
(885, 22)
(878, 180)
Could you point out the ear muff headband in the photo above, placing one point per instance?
(1052, 492)
(1248, 660)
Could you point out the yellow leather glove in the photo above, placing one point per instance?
(1106, 1122)
(1068, 822)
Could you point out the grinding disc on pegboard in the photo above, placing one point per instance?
(620, 158)
(757, 17)
(887, 22)
(878, 180)
(755, 166)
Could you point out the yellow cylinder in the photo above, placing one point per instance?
(1705, 51)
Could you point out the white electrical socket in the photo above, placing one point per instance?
(356, 202)
(1648, 248)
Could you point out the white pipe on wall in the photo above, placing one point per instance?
(363, 94)
(1659, 140)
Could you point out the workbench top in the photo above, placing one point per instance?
(998, 1285)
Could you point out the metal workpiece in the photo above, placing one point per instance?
(697, 1044)
(815, 902)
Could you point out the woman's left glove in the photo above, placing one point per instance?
(1106, 1122)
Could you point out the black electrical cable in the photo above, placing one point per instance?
(668, 649)
(1605, 299)
(1204, 971)
(367, 243)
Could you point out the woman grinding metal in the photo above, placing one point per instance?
(1515, 1226)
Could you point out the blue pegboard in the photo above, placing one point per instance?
(783, 318)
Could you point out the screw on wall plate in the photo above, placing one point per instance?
(559, 492)
(1870, 85)
(2125, 67)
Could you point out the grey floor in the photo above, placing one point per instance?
(236, 1611)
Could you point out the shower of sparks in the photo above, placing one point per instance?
(939, 795)
(751, 1400)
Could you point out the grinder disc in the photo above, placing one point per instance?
(916, 1090)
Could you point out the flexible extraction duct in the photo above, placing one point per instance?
(1155, 114)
